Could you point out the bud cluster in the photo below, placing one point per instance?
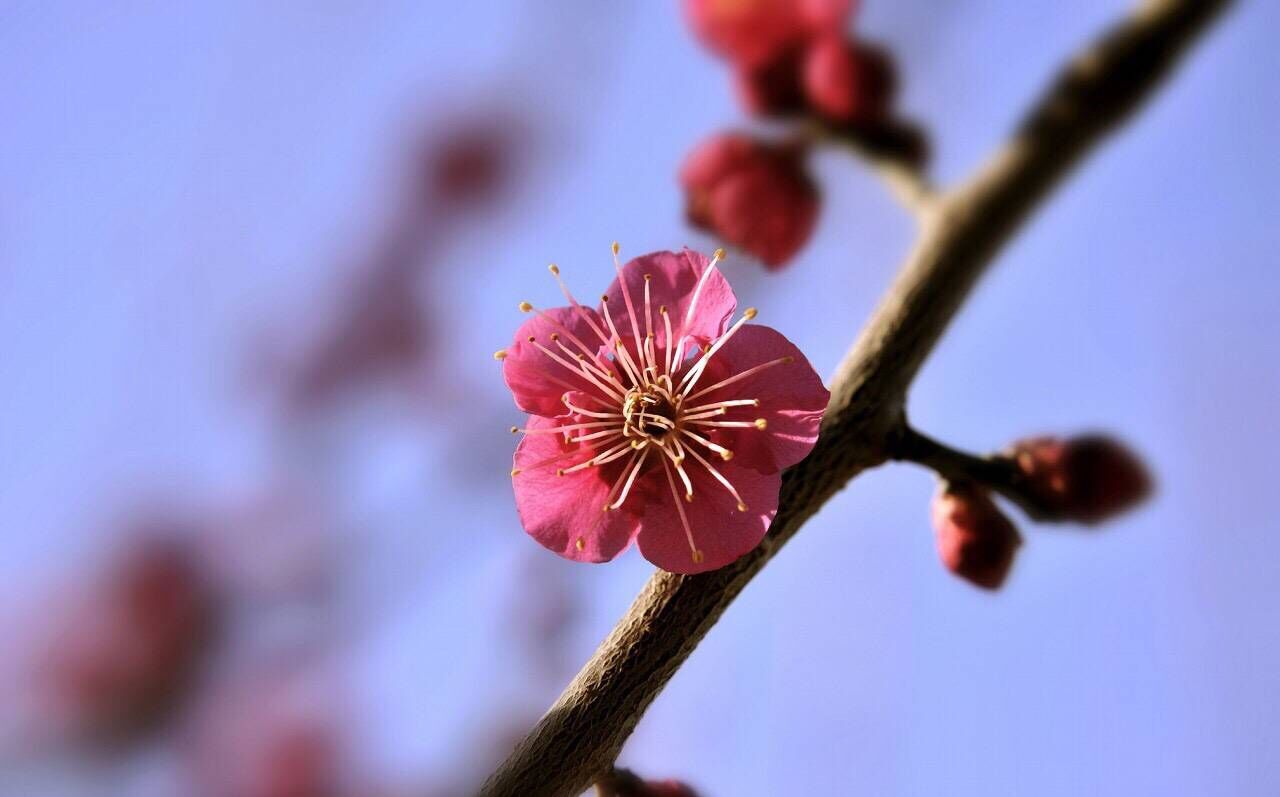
(789, 58)
(1084, 479)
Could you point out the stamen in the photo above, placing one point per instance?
(724, 453)
(582, 312)
(578, 410)
(624, 355)
(500, 354)
(684, 477)
(631, 310)
(758, 423)
(617, 483)
(666, 342)
(635, 469)
(609, 455)
(702, 416)
(648, 325)
(696, 371)
(684, 520)
(586, 350)
(607, 433)
(702, 280)
(544, 462)
(589, 413)
(583, 372)
(590, 366)
(720, 477)
(725, 405)
(738, 377)
(565, 428)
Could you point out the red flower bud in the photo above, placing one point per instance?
(846, 81)
(975, 540)
(753, 195)
(753, 32)
(1087, 479)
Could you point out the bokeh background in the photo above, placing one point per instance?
(254, 259)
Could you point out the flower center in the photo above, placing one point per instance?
(649, 411)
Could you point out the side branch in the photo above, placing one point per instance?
(580, 736)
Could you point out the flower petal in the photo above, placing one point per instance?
(565, 513)
(674, 282)
(791, 394)
(536, 380)
(720, 531)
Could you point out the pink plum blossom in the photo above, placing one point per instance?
(752, 32)
(656, 420)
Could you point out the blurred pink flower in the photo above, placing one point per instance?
(752, 194)
(121, 649)
(751, 32)
(270, 734)
(632, 433)
(848, 81)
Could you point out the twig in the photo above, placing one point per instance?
(580, 736)
(997, 473)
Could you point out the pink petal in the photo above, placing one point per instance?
(675, 277)
(720, 531)
(792, 399)
(536, 381)
(565, 512)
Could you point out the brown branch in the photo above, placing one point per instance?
(995, 472)
(580, 736)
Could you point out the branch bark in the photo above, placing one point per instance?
(580, 736)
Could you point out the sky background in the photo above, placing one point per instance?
(180, 182)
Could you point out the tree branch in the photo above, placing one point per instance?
(580, 736)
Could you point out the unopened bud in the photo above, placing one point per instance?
(847, 81)
(754, 195)
(975, 540)
(1086, 479)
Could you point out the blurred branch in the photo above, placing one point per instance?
(896, 151)
(580, 736)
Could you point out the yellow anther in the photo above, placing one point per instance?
(648, 277)
(500, 354)
(663, 309)
(515, 471)
(788, 359)
(555, 336)
(525, 307)
(531, 338)
(559, 471)
(718, 254)
(742, 507)
(726, 455)
(749, 313)
(515, 429)
(554, 269)
(697, 557)
(688, 497)
(761, 424)
(580, 543)
(616, 248)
